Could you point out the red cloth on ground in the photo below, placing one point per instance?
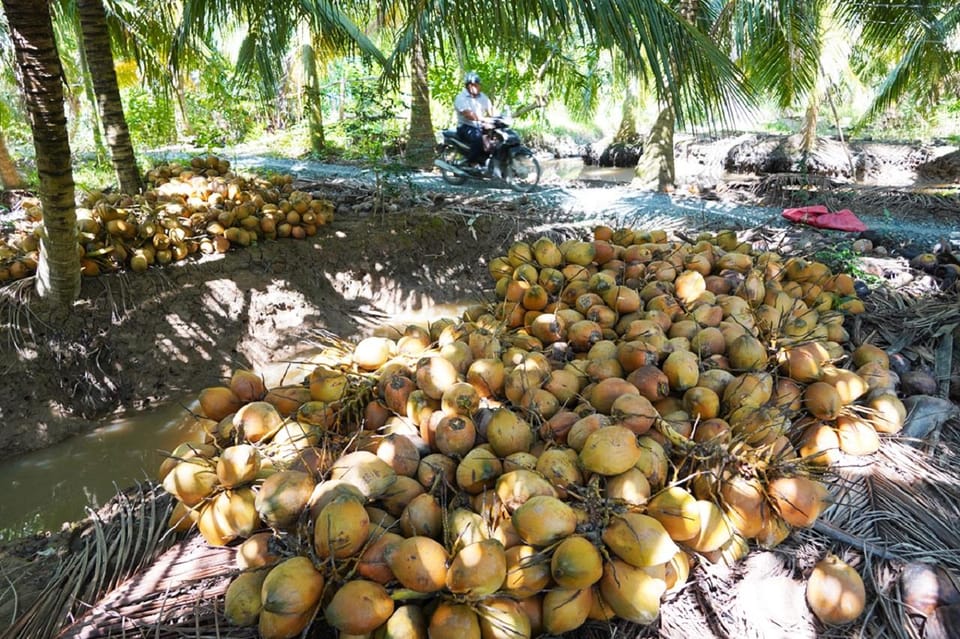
(821, 217)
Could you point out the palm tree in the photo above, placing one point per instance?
(271, 27)
(654, 41)
(99, 58)
(922, 37)
(39, 71)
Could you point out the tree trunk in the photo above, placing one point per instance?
(90, 94)
(808, 129)
(40, 73)
(656, 167)
(96, 44)
(9, 175)
(422, 140)
(627, 133)
(181, 104)
(314, 105)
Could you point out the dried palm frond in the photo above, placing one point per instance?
(112, 544)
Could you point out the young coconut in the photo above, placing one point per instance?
(835, 591)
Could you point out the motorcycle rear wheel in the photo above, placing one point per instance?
(523, 171)
(454, 158)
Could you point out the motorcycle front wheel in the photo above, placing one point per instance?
(454, 158)
(523, 171)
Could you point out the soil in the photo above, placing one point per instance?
(398, 245)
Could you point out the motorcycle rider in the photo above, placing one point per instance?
(473, 108)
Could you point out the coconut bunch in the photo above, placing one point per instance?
(517, 473)
(204, 208)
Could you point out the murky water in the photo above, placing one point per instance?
(48, 487)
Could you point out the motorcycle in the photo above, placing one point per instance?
(509, 161)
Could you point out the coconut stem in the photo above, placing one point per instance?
(842, 536)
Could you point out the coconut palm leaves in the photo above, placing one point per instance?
(925, 37)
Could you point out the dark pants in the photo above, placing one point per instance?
(473, 136)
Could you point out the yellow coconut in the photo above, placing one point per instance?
(542, 520)
(406, 622)
(478, 470)
(229, 515)
(359, 606)
(373, 352)
(419, 563)
(848, 384)
(292, 587)
(676, 509)
(435, 375)
(372, 563)
(257, 421)
(454, 621)
(478, 569)
(835, 591)
(638, 539)
(610, 451)
(576, 563)
(191, 480)
(565, 610)
(630, 487)
(283, 496)
(341, 529)
(887, 413)
(242, 604)
(822, 401)
(502, 618)
(682, 369)
(514, 488)
(857, 435)
(633, 593)
(528, 571)
(216, 402)
(238, 465)
(370, 474)
(798, 500)
(508, 433)
(715, 530)
(247, 385)
(280, 626)
(256, 552)
(820, 444)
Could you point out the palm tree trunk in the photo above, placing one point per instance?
(96, 43)
(177, 82)
(40, 74)
(314, 106)
(9, 175)
(421, 143)
(89, 93)
(656, 168)
(627, 132)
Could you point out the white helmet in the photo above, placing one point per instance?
(472, 77)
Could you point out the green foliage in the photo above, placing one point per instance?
(841, 258)
(149, 117)
(223, 110)
(370, 128)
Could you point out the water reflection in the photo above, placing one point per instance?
(58, 484)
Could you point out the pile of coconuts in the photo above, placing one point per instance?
(201, 208)
(629, 406)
